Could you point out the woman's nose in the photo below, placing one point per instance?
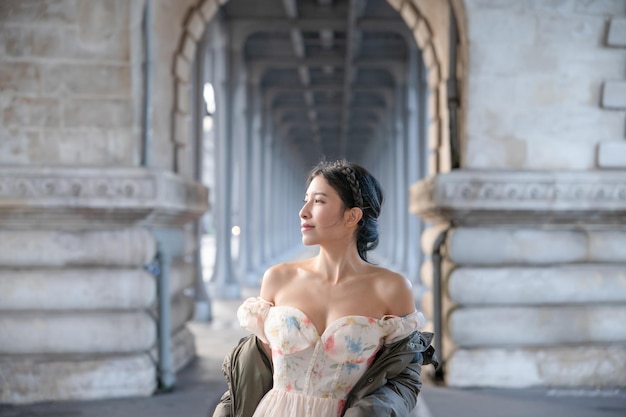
(304, 212)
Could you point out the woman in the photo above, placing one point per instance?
(341, 332)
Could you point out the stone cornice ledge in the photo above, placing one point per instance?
(88, 197)
(467, 197)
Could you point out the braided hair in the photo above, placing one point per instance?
(356, 188)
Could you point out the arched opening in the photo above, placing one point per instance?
(364, 80)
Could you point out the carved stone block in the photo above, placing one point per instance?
(617, 32)
(614, 95)
(565, 366)
(515, 198)
(612, 154)
(54, 378)
(70, 198)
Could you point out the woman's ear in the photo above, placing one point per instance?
(353, 216)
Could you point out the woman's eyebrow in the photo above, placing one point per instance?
(317, 193)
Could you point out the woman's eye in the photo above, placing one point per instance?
(318, 201)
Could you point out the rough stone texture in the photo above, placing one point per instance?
(66, 69)
(489, 211)
(169, 29)
(33, 112)
(409, 15)
(511, 246)
(481, 246)
(571, 366)
(101, 81)
(181, 277)
(532, 101)
(208, 9)
(36, 379)
(76, 332)
(612, 154)
(183, 348)
(568, 284)
(617, 32)
(40, 248)
(73, 197)
(537, 326)
(437, 14)
(516, 198)
(422, 34)
(429, 237)
(396, 4)
(181, 311)
(84, 145)
(76, 289)
(614, 95)
(72, 249)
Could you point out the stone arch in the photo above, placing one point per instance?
(420, 16)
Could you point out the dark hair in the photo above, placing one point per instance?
(356, 188)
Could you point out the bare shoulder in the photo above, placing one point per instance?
(395, 291)
(277, 277)
(273, 279)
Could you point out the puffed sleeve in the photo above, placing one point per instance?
(396, 328)
(252, 314)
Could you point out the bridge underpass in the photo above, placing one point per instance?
(105, 154)
(279, 85)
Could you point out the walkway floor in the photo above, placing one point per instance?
(201, 383)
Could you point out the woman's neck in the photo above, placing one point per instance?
(338, 261)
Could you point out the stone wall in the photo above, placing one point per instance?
(69, 89)
(537, 71)
(75, 318)
(533, 282)
(537, 306)
(532, 271)
(78, 206)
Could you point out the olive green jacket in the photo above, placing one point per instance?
(389, 387)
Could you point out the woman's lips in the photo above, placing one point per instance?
(305, 227)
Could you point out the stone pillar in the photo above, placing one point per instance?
(415, 162)
(537, 296)
(401, 213)
(260, 179)
(246, 246)
(224, 283)
(78, 304)
(256, 194)
(268, 161)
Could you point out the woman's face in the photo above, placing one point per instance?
(321, 217)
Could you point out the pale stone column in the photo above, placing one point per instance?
(377, 170)
(386, 219)
(415, 155)
(244, 156)
(537, 294)
(269, 161)
(77, 299)
(402, 212)
(255, 197)
(261, 179)
(224, 283)
(78, 213)
(278, 187)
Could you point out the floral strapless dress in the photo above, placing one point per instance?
(314, 373)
